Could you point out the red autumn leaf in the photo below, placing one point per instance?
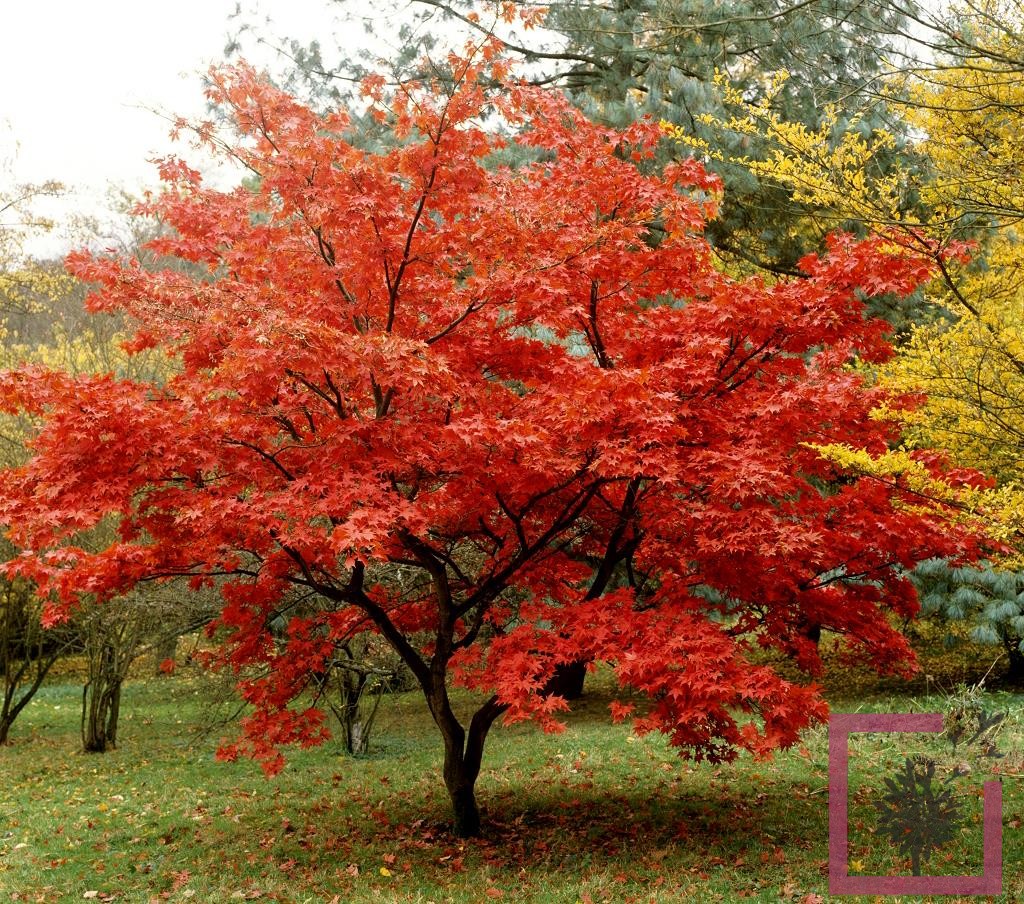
(620, 711)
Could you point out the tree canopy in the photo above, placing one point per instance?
(485, 413)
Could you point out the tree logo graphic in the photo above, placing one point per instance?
(917, 813)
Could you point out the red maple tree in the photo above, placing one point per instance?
(508, 418)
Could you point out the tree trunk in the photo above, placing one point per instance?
(357, 741)
(93, 739)
(113, 713)
(1015, 673)
(352, 685)
(101, 707)
(27, 653)
(467, 814)
(812, 631)
(12, 707)
(460, 780)
(463, 754)
(7, 716)
(567, 680)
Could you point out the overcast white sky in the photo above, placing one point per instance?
(76, 77)
(80, 80)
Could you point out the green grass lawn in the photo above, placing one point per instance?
(592, 814)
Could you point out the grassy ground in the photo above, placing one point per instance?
(586, 816)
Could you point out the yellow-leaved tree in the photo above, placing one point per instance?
(959, 202)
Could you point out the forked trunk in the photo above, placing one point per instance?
(101, 707)
(461, 769)
(12, 705)
(463, 754)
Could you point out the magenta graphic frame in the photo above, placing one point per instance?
(840, 726)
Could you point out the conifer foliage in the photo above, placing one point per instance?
(488, 414)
